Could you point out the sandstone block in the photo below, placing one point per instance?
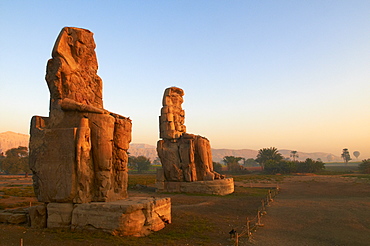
(213, 187)
(37, 216)
(59, 215)
(4, 217)
(17, 219)
(136, 216)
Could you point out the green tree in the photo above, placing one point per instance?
(250, 162)
(345, 156)
(232, 163)
(15, 161)
(364, 167)
(282, 166)
(268, 154)
(294, 154)
(310, 166)
(140, 163)
(217, 167)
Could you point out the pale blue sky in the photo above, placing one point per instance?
(289, 74)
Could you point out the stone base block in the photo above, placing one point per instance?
(38, 216)
(136, 216)
(59, 215)
(14, 216)
(213, 187)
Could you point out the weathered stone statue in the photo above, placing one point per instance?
(79, 153)
(184, 157)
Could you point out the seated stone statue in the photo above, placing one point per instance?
(184, 157)
(79, 153)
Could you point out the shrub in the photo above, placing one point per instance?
(272, 167)
(217, 167)
(310, 166)
(364, 167)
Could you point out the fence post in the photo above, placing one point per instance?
(248, 228)
(259, 223)
(263, 208)
(236, 239)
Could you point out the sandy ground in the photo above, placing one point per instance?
(318, 210)
(309, 210)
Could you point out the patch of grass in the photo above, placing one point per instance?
(359, 176)
(194, 228)
(14, 205)
(20, 192)
(340, 169)
(258, 177)
(141, 179)
(327, 172)
(93, 237)
(249, 192)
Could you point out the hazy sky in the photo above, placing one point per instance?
(288, 74)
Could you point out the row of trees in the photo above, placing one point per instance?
(15, 161)
(139, 163)
(272, 162)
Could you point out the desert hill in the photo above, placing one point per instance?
(218, 154)
(10, 140)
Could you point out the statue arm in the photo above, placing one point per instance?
(71, 105)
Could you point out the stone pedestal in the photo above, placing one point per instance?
(136, 216)
(212, 187)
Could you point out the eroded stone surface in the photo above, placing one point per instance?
(138, 216)
(184, 157)
(38, 216)
(212, 187)
(14, 216)
(59, 215)
(79, 153)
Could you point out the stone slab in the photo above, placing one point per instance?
(37, 216)
(136, 216)
(59, 215)
(212, 187)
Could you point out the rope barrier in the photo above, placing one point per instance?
(253, 224)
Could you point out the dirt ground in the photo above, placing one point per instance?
(309, 210)
(318, 210)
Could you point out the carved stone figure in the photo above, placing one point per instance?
(79, 153)
(184, 156)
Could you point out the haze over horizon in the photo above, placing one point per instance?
(256, 74)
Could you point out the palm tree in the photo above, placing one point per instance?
(294, 154)
(267, 154)
(345, 155)
(232, 162)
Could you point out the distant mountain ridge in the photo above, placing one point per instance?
(218, 154)
(10, 140)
